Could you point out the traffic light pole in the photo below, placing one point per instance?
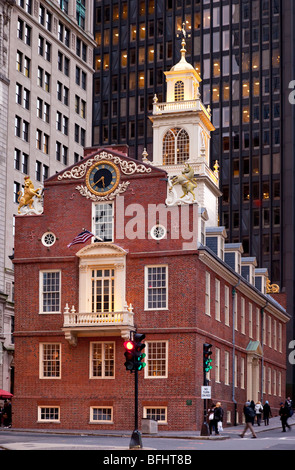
(135, 442)
(205, 427)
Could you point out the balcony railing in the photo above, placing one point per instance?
(81, 322)
(176, 106)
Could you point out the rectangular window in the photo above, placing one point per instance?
(250, 322)
(217, 364)
(226, 367)
(102, 360)
(103, 221)
(242, 315)
(156, 413)
(50, 361)
(101, 414)
(48, 413)
(258, 324)
(156, 278)
(207, 294)
(50, 291)
(217, 299)
(157, 359)
(103, 290)
(226, 305)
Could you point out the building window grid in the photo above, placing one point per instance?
(50, 291)
(157, 287)
(103, 221)
(157, 355)
(48, 413)
(51, 360)
(102, 360)
(175, 146)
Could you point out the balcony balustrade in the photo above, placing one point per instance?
(97, 324)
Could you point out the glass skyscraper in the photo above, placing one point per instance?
(235, 45)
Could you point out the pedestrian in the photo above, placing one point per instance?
(284, 414)
(6, 414)
(211, 418)
(290, 406)
(218, 418)
(258, 411)
(266, 413)
(249, 413)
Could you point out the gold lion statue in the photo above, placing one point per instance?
(26, 198)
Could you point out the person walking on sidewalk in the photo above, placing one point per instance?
(249, 413)
(284, 414)
(218, 418)
(266, 413)
(258, 410)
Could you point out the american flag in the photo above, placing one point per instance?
(81, 238)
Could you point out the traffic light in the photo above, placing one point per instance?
(138, 354)
(206, 357)
(129, 354)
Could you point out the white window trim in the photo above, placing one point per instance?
(103, 376)
(217, 300)
(113, 219)
(41, 272)
(146, 408)
(207, 294)
(146, 374)
(40, 420)
(101, 421)
(226, 305)
(41, 362)
(146, 268)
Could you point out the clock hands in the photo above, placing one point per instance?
(100, 179)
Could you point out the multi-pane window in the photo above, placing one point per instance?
(50, 360)
(103, 221)
(217, 299)
(157, 357)
(179, 91)
(156, 287)
(156, 413)
(175, 146)
(101, 414)
(207, 294)
(102, 360)
(102, 290)
(50, 290)
(48, 413)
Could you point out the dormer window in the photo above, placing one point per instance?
(175, 146)
(179, 91)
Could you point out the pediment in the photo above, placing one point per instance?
(101, 250)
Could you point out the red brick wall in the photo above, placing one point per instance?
(185, 324)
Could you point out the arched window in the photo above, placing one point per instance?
(179, 91)
(175, 146)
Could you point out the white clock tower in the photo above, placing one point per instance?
(181, 135)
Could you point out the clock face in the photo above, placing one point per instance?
(102, 178)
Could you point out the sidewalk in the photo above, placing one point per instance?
(229, 432)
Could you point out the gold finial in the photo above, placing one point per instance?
(272, 288)
(144, 156)
(216, 167)
(155, 100)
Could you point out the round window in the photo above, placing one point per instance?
(158, 232)
(48, 239)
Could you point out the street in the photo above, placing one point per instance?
(268, 440)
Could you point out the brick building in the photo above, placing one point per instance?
(157, 262)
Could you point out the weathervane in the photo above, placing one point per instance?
(183, 33)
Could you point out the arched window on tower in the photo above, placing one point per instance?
(175, 146)
(179, 91)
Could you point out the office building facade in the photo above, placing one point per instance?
(49, 68)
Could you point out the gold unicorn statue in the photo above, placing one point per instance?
(186, 180)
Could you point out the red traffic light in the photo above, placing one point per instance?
(129, 345)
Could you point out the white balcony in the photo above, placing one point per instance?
(179, 106)
(97, 324)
